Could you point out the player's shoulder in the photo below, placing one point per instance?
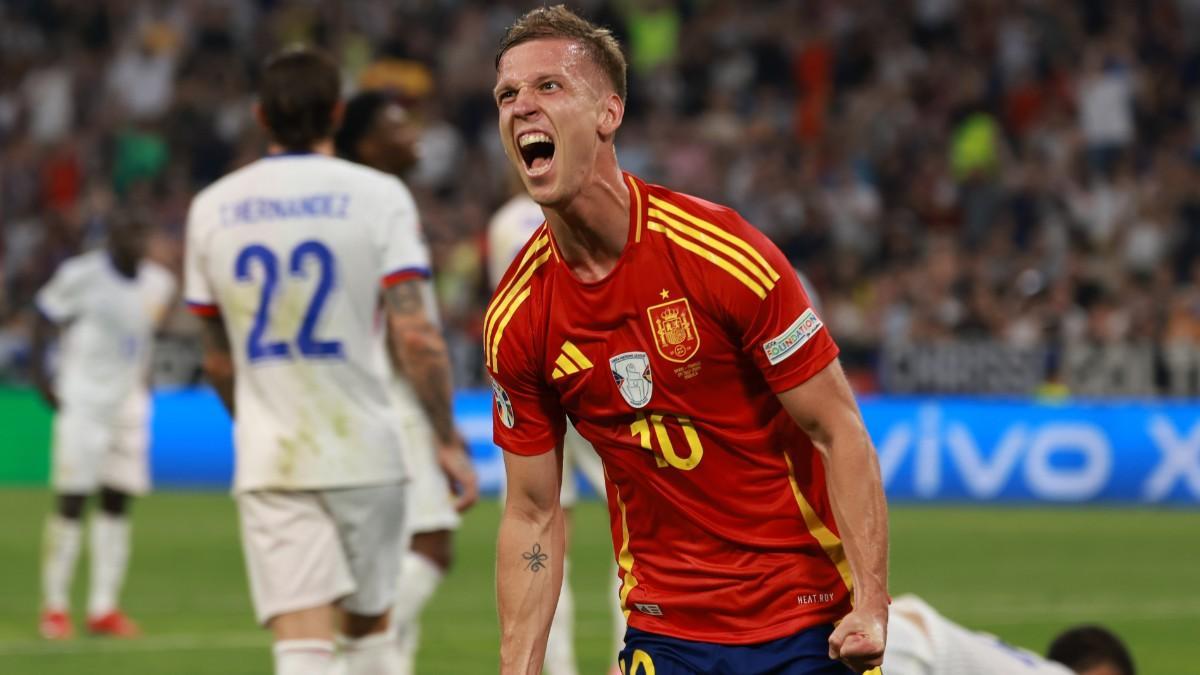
(712, 240)
(509, 314)
(83, 264)
(662, 201)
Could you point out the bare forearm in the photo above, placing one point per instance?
(856, 493)
(421, 353)
(426, 363)
(218, 361)
(222, 380)
(43, 333)
(529, 570)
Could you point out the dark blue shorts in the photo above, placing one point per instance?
(805, 653)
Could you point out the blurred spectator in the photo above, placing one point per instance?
(1020, 174)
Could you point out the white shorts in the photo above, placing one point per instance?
(578, 453)
(93, 450)
(306, 549)
(430, 500)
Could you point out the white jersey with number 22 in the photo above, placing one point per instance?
(292, 251)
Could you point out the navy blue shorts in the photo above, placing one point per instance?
(805, 653)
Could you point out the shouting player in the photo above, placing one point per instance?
(109, 303)
(377, 131)
(286, 259)
(748, 516)
(923, 642)
(508, 231)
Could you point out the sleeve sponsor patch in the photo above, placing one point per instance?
(504, 407)
(793, 338)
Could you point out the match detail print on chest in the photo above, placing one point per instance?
(661, 335)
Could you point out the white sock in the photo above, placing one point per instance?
(419, 578)
(303, 657)
(110, 559)
(60, 552)
(560, 648)
(374, 654)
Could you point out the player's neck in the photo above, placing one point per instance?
(592, 229)
(125, 266)
(321, 147)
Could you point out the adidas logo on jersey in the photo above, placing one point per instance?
(570, 361)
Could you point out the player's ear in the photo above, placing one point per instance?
(611, 115)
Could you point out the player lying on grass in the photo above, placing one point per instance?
(923, 642)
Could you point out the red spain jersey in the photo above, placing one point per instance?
(670, 366)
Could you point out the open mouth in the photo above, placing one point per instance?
(537, 151)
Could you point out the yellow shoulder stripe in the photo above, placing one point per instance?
(501, 310)
(524, 295)
(717, 232)
(830, 543)
(637, 205)
(704, 238)
(709, 255)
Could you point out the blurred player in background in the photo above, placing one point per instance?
(376, 131)
(508, 231)
(108, 304)
(286, 261)
(923, 642)
(748, 515)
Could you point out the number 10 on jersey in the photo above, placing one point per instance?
(652, 430)
(258, 348)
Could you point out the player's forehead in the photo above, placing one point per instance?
(544, 57)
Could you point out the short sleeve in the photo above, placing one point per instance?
(405, 255)
(781, 331)
(59, 300)
(197, 291)
(527, 417)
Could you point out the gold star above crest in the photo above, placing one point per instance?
(664, 294)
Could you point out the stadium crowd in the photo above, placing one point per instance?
(1025, 171)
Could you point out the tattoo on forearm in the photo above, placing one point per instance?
(423, 355)
(405, 298)
(535, 560)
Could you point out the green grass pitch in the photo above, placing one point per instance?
(1020, 573)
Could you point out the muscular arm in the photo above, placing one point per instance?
(420, 352)
(44, 331)
(529, 560)
(825, 408)
(218, 360)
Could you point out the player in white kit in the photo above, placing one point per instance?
(108, 304)
(509, 229)
(287, 260)
(378, 132)
(923, 642)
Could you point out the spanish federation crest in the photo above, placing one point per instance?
(503, 403)
(674, 330)
(631, 370)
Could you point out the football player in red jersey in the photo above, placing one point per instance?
(748, 516)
